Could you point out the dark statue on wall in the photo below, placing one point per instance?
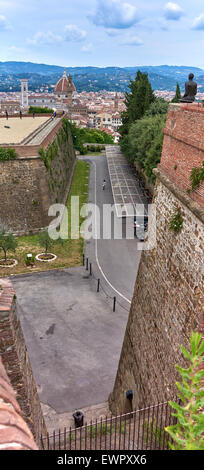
(190, 90)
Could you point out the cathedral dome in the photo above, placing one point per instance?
(65, 84)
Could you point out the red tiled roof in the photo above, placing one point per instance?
(63, 84)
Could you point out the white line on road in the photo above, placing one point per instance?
(96, 254)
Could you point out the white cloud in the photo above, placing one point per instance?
(4, 25)
(74, 34)
(199, 22)
(172, 11)
(44, 39)
(87, 48)
(132, 41)
(114, 14)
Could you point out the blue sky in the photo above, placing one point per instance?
(103, 32)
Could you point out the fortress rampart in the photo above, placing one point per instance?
(168, 300)
(28, 188)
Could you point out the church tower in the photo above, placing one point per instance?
(70, 90)
(24, 93)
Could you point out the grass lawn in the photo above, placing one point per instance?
(70, 252)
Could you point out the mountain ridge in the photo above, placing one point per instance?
(90, 78)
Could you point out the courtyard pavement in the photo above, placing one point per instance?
(17, 129)
(72, 335)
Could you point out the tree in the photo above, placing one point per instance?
(159, 106)
(7, 243)
(45, 241)
(177, 96)
(137, 101)
(144, 142)
(188, 432)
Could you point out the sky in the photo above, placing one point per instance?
(102, 33)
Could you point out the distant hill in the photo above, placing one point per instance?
(163, 77)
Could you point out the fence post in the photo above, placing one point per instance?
(114, 303)
(98, 286)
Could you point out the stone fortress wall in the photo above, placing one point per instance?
(168, 301)
(15, 359)
(28, 188)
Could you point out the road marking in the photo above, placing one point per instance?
(96, 254)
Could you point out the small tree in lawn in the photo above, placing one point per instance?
(189, 430)
(7, 243)
(45, 241)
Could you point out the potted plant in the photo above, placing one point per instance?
(8, 243)
(30, 260)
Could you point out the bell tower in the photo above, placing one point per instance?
(24, 93)
(70, 91)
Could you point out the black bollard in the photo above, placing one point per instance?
(114, 303)
(83, 259)
(87, 264)
(90, 266)
(98, 286)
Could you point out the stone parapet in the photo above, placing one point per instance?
(14, 432)
(183, 147)
(16, 361)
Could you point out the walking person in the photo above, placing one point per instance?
(104, 184)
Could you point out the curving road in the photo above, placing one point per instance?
(116, 262)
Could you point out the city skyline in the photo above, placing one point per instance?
(102, 33)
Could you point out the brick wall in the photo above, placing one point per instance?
(168, 300)
(15, 359)
(14, 432)
(183, 146)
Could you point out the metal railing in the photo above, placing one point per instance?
(138, 430)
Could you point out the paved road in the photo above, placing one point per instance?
(115, 261)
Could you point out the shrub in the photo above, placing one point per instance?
(197, 176)
(39, 110)
(188, 432)
(176, 222)
(7, 154)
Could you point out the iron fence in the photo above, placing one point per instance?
(138, 430)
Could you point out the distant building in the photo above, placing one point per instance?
(9, 106)
(61, 99)
(116, 102)
(24, 93)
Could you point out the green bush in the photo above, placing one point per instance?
(7, 154)
(39, 110)
(187, 434)
(176, 222)
(83, 136)
(196, 177)
(144, 142)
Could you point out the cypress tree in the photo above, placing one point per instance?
(137, 101)
(177, 96)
